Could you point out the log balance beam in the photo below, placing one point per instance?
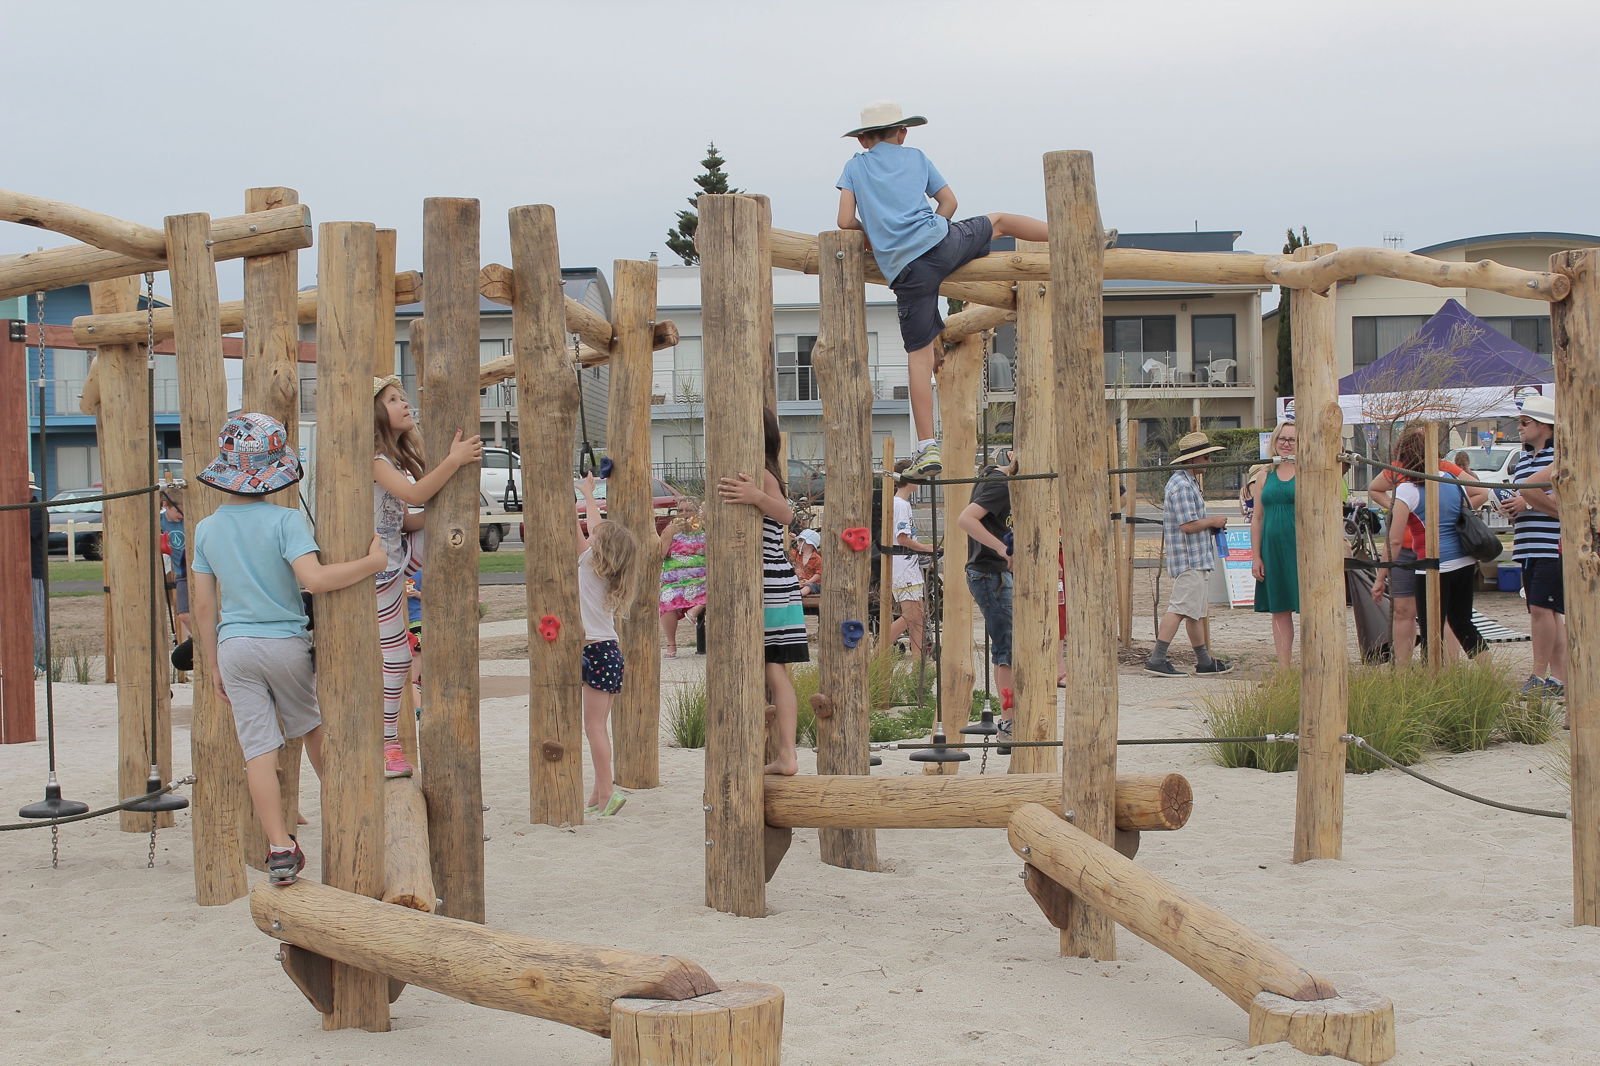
(655, 1008)
(1284, 1000)
(1144, 801)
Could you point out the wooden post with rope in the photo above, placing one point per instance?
(960, 382)
(636, 717)
(448, 735)
(1036, 536)
(843, 703)
(885, 535)
(220, 800)
(17, 711)
(1324, 685)
(1130, 511)
(549, 417)
(124, 416)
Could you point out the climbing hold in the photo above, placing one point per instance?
(606, 466)
(852, 632)
(822, 705)
(1007, 699)
(856, 538)
(550, 628)
(1009, 540)
(552, 750)
(771, 714)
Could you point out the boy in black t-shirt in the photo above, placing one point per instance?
(986, 521)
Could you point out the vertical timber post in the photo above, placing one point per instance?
(1576, 328)
(736, 346)
(17, 712)
(1036, 528)
(548, 415)
(636, 721)
(220, 798)
(349, 685)
(886, 535)
(272, 386)
(960, 381)
(1089, 735)
(1324, 685)
(1130, 509)
(124, 417)
(448, 737)
(841, 361)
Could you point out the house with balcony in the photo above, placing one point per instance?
(1173, 350)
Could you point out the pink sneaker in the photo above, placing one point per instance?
(394, 760)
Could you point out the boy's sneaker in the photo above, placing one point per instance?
(1534, 686)
(1164, 668)
(394, 760)
(283, 867)
(1217, 668)
(1002, 739)
(926, 462)
(1554, 689)
(1111, 239)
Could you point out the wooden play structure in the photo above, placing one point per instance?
(403, 859)
(1065, 817)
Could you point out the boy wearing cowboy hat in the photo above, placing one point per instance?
(887, 186)
(250, 559)
(1191, 556)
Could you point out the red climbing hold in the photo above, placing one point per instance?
(857, 537)
(550, 628)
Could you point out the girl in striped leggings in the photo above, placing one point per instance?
(401, 481)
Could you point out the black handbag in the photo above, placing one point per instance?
(1477, 540)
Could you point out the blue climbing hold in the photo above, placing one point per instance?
(852, 632)
(606, 466)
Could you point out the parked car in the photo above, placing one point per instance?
(86, 544)
(492, 533)
(665, 501)
(1494, 463)
(499, 466)
(805, 480)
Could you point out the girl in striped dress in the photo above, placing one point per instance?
(784, 622)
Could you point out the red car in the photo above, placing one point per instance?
(664, 500)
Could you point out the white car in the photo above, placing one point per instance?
(499, 466)
(1493, 463)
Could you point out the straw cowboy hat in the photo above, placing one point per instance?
(882, 115)
(1540, 408)
(1194, 445)
(32, 484)
(379, 384)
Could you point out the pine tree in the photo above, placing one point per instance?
(680, 239)
(1285, 327)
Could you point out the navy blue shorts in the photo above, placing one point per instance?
(1541, 577)
(916, 288)
(602, 666)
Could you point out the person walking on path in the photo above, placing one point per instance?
(1277, 567)
(1190, 536)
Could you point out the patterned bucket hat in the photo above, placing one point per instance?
(253, 457)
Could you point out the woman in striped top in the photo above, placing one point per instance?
(784, 621)
(1537, 545)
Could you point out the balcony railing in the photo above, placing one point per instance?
(794, 384)
(1147, 370)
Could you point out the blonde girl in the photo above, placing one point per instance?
(607, 555)
(401, 481)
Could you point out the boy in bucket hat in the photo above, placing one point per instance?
(1191, 556)
(887, 186)
(250, 559)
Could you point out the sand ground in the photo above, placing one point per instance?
(1459, 913)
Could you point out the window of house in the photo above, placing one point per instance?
(1155, 334)
(688, 372)
(797, 378)
(1214, 339)
(1375, 336)
(69, 369)
(1530, 331)
(76, 467)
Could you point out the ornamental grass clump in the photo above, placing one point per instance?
(1271, 705)
(686, 718)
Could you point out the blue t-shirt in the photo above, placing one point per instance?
(250, 547)
(892, 184)
(177, 541)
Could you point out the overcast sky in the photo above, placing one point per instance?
(1355, 119)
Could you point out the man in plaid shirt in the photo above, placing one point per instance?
(1191, 556)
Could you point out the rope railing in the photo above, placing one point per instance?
(1420, 475)
(39, 505)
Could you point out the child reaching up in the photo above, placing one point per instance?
(250, 559)
(400, 481)
(607, 553)
(783, 617)
(916, 245)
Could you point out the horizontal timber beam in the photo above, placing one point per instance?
(1347, 263)
(497, 283)
(1144, 801)
(128, 327)
(91, 227)
(798, 251)
(282, 229)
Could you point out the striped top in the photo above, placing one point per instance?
(1538, 535)
(783, 619)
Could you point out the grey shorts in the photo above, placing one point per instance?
(916, 288)
(272, 688)
(1191, 594)
(1403, 579)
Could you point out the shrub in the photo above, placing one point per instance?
(82, 651)
(686, 719)
(1390, 709)
(1245, 710)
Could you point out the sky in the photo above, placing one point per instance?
(1357, 120)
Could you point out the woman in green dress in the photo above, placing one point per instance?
(1276, 568)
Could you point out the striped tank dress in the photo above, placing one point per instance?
(783, 621)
